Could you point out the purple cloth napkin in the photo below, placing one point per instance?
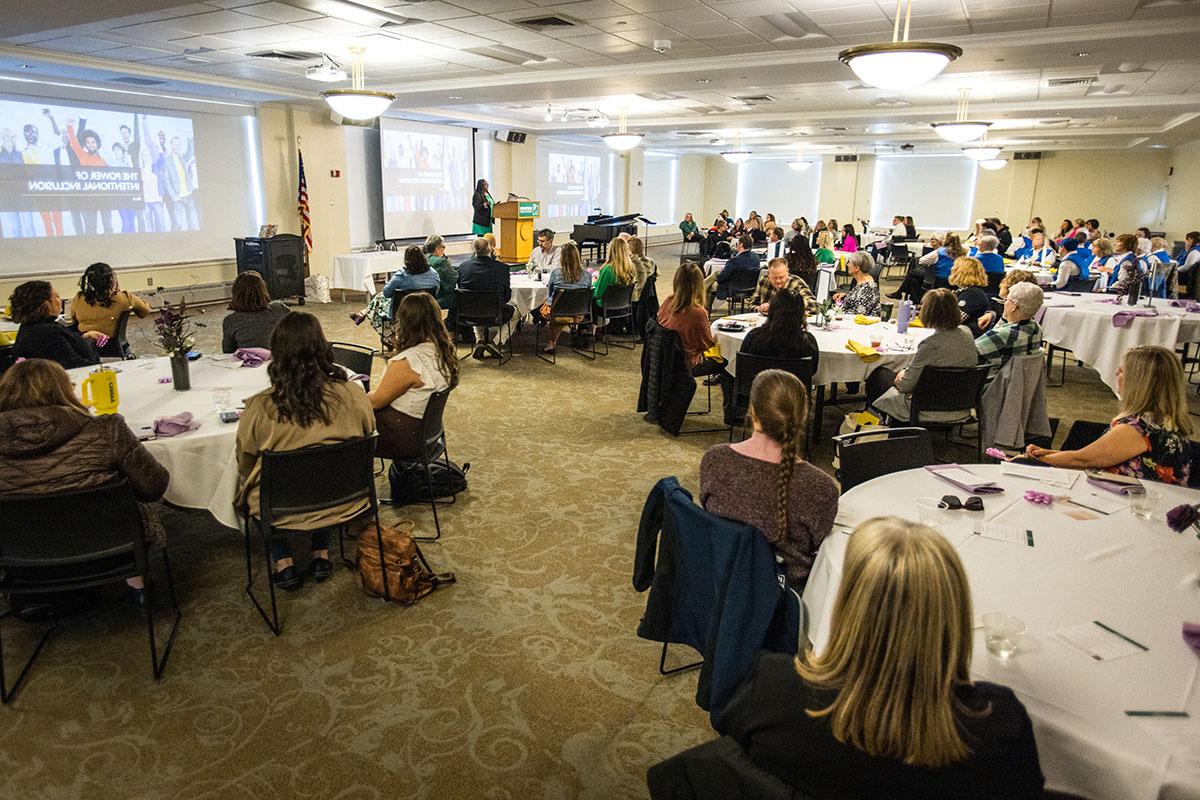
(1123, 319)
(1040, 314)
(1191, 635)
(175, 425)
(252, 356)
(1188, 305)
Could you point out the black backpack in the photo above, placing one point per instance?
(409, 483)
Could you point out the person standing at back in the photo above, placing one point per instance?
(887, 710)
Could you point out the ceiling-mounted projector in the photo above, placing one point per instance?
(328, 71)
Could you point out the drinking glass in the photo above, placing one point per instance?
(885, 311)
(221, 397)
(1002, 633)
(929, 511)
(1143, 502)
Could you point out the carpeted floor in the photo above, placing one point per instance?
(524, 680)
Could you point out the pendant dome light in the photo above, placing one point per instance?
(992, 163)
(899, 64)
(737, 155)
(962, 130)
(622, 140)
(357, 102)
(799, 164)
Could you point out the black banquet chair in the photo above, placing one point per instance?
(741, 288)
(866, 455)
(748, 368)
(618, 304)
(70, 541)
(950, 390)
(433, 447)
(357, 358)
(575, 304)
(485, 308)
(287, 486)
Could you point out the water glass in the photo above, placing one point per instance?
(221, 397)
(929, 511)
(1143, 502)
(1002, 633)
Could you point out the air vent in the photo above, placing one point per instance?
(129, 80)
(542, 23)
(285, 55)
(701, 134)
(754, 99)
(845, 159)
(836, 129)
(1032, 156)
(1061, 83)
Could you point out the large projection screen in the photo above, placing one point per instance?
(428, 178)
(936, 191)
(84, 181)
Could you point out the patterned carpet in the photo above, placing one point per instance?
(524, 680)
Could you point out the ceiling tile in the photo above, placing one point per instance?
(218, 22)
(277, 12)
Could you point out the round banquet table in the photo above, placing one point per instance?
(357, 271)
(1083, 324)
(1138, 577)
(1044, 277)
(203, 462)
(837, 364)
(527, 293)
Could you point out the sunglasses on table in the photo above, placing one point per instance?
(954, 504)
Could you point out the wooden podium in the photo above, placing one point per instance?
(516, 228)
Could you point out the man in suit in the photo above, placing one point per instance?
(482, 272)
(745, 260)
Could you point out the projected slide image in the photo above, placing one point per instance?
(574, 182)
(425, 171)
(79, 171)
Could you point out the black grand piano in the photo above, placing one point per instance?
(600, 229)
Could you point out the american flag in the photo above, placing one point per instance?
(302, 200)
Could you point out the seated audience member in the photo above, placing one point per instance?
(738, 228)
(1092, 228)
(1011, 278)
(942, 260)
(1148, 439)
(482, 272)
(426, 363)
(689, 229)
(764, 481)
(252, 315)
(1188, 259)
(684, 312)
(824, 252)
(816, 231)
(863, 295)
(1103, 261)
(1066, 228)
(800, 227)
(769, 224)
(849, 243)
(717, 235)
(1124, 265)
(1038, 253)
(969, 280)
(310, 402)
(835, 230)
(545, 256)
(801, 261)
(1035, 224)
(570, 274)
(778, 279)
(1071, 264)
(491, 240)
(993, 262)
(1143, 241)
(620, 270)
(889, 709)
(50, 442)
(435, 254)
(100, 304)
(785, 333)
(898, 234)
(1018, 333)
(643, 266)
(35, 307)
(910, 228)
(1004, 235)
(415, 275)
(753, 222)
(1160, 267)
(745, 260)
(950, 345)
(775, 245)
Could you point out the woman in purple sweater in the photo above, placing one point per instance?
(764, 482)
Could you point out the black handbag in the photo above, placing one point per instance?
(409, 483)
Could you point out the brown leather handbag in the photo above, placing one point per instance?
(409, 576)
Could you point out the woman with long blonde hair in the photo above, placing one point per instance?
(888, 709)
(765, 482)
(1148, 439)
(620, 271)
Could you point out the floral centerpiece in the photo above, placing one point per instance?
(175, 333)
(824, 314)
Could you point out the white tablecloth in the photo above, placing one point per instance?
(527, 293)
(1083, 325)
(1044, 277)
(1138, 577)
(837, 364)
(357, 270)
(202, 463)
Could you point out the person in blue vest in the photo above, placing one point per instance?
(1072, 263)
(1159, 266)
(942, 259)
(993, 262)
(1039, 252)
(1125, 266)
(1188, 259)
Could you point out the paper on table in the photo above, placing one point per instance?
(1177, 735)
(1098, 642)
(1060, 478)
(1003, 533)
(1100, 503)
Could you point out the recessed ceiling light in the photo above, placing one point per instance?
(1082, 55)
(703, 80)
(455, 97)
(28, 66)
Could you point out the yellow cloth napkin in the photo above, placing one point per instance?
(863, 319)
(864, 352)
(915, 323)
(7, 338)
(714, 353)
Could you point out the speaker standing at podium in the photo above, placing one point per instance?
(482, 202)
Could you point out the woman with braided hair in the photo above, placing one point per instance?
(765, 482)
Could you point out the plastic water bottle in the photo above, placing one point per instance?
(903, 315)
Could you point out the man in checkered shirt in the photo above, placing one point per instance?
(1017, 333)
(777, 278)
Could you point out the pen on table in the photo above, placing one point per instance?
(1120, 635)
(1170, 714)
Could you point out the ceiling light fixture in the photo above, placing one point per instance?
(798, 164)
(737, 155)
(981, 152)
(549, 113)
(622, 140)
(899, 64)
(357, 102)
(992, 163)
(962, 130)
